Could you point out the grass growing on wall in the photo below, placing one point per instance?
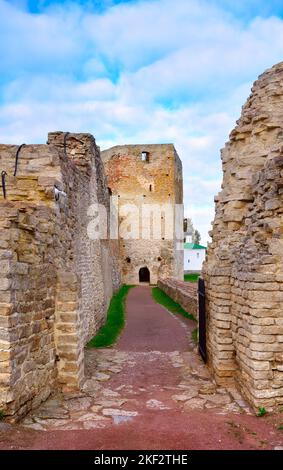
(115, 321)
(191, 277)
(163, 299)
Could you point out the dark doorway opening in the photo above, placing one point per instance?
(144, 275)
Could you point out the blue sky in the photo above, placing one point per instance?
(137, 71)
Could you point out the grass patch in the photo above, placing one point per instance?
(195, 335)
(191, 277)
(261, 411)
(280, 427)
(115, 321)
(163, 299)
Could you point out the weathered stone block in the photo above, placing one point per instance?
(247, 241)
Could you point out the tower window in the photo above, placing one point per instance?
(150, 187)
(145, 156)
(128, 259)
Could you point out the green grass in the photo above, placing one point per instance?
(261, 411)
(163, 299)
(115, 322)
(195, 335)
(280, 427)
(191, 277)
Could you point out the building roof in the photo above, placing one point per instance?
(193, 246)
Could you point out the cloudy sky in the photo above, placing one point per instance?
(146, 71)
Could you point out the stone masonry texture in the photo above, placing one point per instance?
(243, 271)
(184, 293)
(155, 182)
(55, 282)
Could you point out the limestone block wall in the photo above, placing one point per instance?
(28, 278)
(53, 278)
(243, 271)
(158, 182)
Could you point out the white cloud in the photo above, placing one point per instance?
(138, 72)
(39, 43)
(202, 218)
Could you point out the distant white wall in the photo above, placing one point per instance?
(193, 259)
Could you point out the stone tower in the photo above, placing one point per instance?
(244, 268)
(148, 177)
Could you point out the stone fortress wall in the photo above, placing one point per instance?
(243, 271)
(55, 283)
(157, 181)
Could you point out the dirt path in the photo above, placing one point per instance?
(150, 391)
(148, 328)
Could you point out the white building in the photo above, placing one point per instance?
(194, 256)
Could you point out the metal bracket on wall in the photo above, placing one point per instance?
(17, 158)
(3, 179)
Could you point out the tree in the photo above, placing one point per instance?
(196, 237)
(188, 228)
(191, 232)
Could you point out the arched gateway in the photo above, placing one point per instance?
(144, 275)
